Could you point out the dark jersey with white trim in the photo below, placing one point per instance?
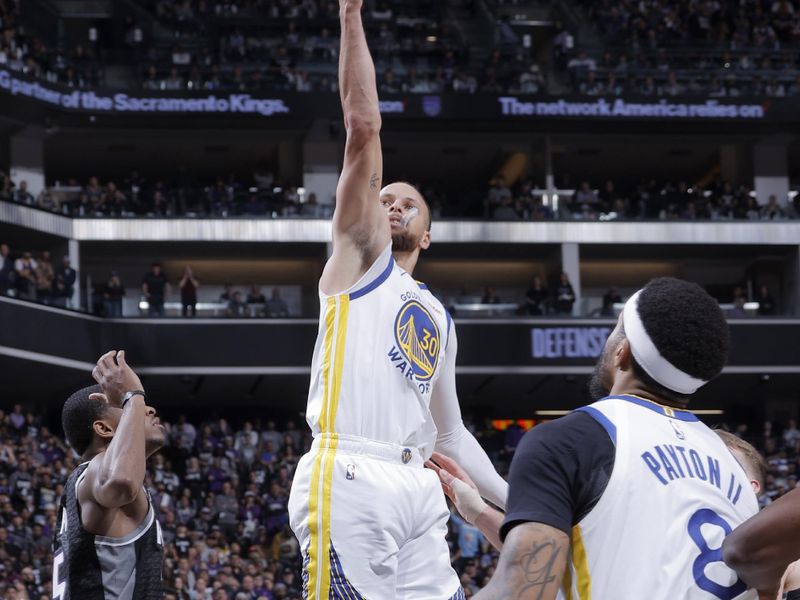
(95, 567)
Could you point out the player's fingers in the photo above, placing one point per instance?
(445, 477)
(446, 462)
(448, 491)
(121, 359)
(432, 466)
(97, 375)
(107, 360)
(99, 397)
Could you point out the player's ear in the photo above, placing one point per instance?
(756, 486)
(622, 355)
(425, 242)
(103, 429)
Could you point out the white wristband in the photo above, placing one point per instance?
(468, 501)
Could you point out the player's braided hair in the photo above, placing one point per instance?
(78, 415)
(687, 327)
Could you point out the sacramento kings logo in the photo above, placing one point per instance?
(432, 105)
(417, 337)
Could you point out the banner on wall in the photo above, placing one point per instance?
(428, 106)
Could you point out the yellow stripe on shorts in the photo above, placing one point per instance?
(319, 504)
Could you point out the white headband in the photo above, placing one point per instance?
(648, 356)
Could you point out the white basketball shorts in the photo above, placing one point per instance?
(371, 522)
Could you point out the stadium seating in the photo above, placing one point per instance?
(210, 467)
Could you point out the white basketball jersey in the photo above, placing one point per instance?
(657, 531)
(378, 354)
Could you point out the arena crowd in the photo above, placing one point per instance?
(221, 490)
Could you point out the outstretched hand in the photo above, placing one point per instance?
(350, 4)
(458, 486)
(115, 377)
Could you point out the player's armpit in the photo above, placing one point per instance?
(531, 565)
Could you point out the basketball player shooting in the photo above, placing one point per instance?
(370, 519)
(108, 542)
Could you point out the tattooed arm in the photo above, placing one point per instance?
(531, 565)
(360, 227)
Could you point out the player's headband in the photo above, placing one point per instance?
(648, 356)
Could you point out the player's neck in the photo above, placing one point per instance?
(406, 260)
(633, 387)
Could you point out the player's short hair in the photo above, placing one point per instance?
(78, 415)
(688, 328)
(754, 464)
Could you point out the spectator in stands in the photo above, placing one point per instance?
(112, 296)
(92, 198)
(6, 185)
(236, 306)
(507, 210)
(536, 298)
(220, 198)
(648, 87)
(469, 540)
(22, 195)
(766, 303)
(739, 300)
(227, 292)
(607, 196)
(490, 296)
(173, 82)
(7, 273)
(591, 86)
(254, 206)
(498, 194)
(155, 287)
(114, 200)
(25, 268)
(580, 66)
(311, 208)
(45, 274)
(565, 295)
(276, 307)
(47, 200)
(531, 81)
(64, 283)
(585, 199)
(672, 87)
(772, 211)
(189, 286)
(255, 296)
(610, 298)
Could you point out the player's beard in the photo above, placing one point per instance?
(597, 387)
(404, 242)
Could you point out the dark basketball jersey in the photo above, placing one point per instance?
(96, 567)
(793, 595)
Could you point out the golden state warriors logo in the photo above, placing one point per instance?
(417, 337)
